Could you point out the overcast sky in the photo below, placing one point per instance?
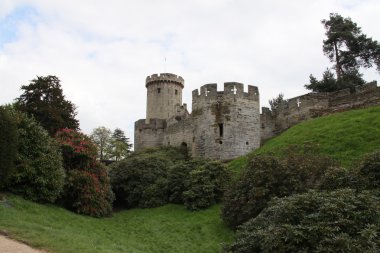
(102, 50)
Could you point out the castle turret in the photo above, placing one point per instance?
(164, 93)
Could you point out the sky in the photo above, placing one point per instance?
(102, 50)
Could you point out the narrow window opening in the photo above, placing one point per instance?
(221, 129)
(176, 92)
(158, 90)
(193, 139)
(220, 142)
(247, 143)
(234, 90)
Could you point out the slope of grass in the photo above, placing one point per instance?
(170, 228)
(345, 136)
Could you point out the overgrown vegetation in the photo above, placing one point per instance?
(8, 145)
(39, 175)
(87, 188)
(154, 177)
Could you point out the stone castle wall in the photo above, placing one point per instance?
(223, 124)
(227, 124)
(312, 105)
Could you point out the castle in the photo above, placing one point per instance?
(227, 124)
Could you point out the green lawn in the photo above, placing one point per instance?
(170, 228)
(345, 136)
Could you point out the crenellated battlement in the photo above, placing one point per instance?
(231, 89)
(164, 77)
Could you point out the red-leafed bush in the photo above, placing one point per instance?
(87, 189)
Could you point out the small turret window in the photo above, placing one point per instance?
(221, 130)
(176, 92)
(158, 90)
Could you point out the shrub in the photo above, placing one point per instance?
(39, 175)
(338, 178)
(369, 171)
(89, 192)
(178, 179)
(87, 189)
(8, 145)
(337, 221)
(77, 149)
(206, 186)
(266, 177)
(140, 181)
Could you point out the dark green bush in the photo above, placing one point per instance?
(337, 221)
(206, 186)
(266, 177)
(8, 145)
(89, 192)
(87, 188)
(140, 181)
(39, 175)
(338, 178)
(178, 179)
(369, 171)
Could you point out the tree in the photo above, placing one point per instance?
(348, 47)
(101, 136)
(8, 145)
(275, 102)
(44, 100)
(120, 146)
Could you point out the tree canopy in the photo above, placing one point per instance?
(101, 136)
(44, 100)
(349, 50)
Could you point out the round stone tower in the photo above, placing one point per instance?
(164, 92)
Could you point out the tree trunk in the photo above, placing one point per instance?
(337, 65)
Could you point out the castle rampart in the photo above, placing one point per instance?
(311, 105)
(227, 124)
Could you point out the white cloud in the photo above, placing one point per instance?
(103, 50)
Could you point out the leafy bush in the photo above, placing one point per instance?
(178, 179)
(87, 189)
(206, 185)
(338, 221)
(266, 177)
(77, 149)
(8, 145)
(338, 178)
(140, 181)
(369, 171)
(89, 192)
(39, 175)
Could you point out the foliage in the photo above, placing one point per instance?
(43, 99)
(338, 178)
(347, 46)
(8, 145)
(338, 221)
(119, 147)
(275, 102)
(349, 49)
(207, 184)
(173, 154)
(101, 137)
(87, 189)
(178, 179)
(39, 175)
(350, 79)
(369, 171)
(266, 177)
(140, 181)
(170, 228)
(77, 149)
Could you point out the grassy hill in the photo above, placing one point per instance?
(345, 136)
(170, 228)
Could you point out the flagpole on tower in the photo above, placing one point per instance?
(165, 66)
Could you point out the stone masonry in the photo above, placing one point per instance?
(227, 124)
(223, 124)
